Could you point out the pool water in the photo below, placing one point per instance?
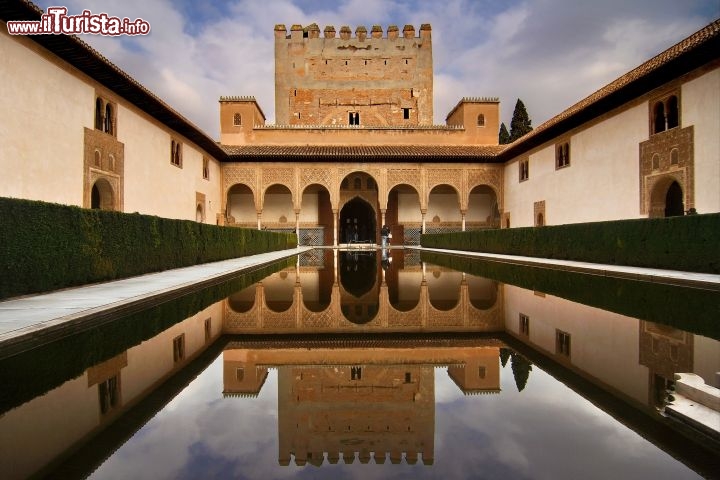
(369, 364)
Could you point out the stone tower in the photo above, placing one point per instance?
(365, 79)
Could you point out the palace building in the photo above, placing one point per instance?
(354, 146)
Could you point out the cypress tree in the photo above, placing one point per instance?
(521, 123)
(504, 136)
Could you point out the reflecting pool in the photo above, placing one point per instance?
(370, 364)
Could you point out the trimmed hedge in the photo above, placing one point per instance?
(691, 309)
(690, 243)
(46, 246)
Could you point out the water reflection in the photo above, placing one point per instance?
(444, 360)
(365, 290)
(357, 404)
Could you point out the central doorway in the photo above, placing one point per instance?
(357, 222)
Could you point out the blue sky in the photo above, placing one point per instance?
(549, 53)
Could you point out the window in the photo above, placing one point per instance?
(206, 168)
(208, 329)
(109, 119)
(240, 374)
(674, 156)
(665, 113)
(109, 394)
(524, 166)
(481, 120)
(562, 155)
(354, 118)
(562, 343)
(99, 114)
(176, 153)
(179, 348)
(237, 119)
(524, 324)
(656, 162)
(406, 114)
(356, 373)
(482, 372)
(408, 377)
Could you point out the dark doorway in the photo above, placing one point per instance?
(674, 206)
(357, 222)
(95, 197)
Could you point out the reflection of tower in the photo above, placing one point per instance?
(479, 374)
(362, 402)
(357, 411)
(664, 351)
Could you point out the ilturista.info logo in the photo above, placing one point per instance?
(56, 21)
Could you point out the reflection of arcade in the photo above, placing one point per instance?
(358, 402)
(351, 289)
(361, 286)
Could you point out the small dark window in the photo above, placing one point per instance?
(562, 343)
(408, 377)
(99, 114)
(674, 156)
(356, 373)
(406, 113)
(109, 394)
(524, 324)
(562, 155)
(481, 120)
(354, 118)
(179, 348)
(524, 167)
(237, 119)
(108, 119)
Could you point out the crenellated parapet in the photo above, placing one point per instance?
(346, 33)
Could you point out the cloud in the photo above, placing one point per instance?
(549, 53)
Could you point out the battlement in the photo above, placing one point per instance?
(480, 100)
(349, 457)
(235, 98)
(345, 32)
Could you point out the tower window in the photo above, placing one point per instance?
(237, 119)
(176, 153)
(562, 343)
(354, 118)
(406, 114)
(481, 120)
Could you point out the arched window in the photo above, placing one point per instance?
(108, 119)
(98, 158)
(370, 184)
(481, 120)
(672, 112)
(111, 162)
(357, 184)
(98, 114)
(540, 220)
(659, 118)
(674, 156)
(237, 119)
(655, 161)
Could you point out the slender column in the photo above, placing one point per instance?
(382, 217)
(259, 215)
(297, 226)
(423, 212)
(463, 219)
(335, 227)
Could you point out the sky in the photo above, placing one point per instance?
(548, 53)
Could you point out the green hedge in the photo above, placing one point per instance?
(46, 246)
(691, 309)
(690, 243)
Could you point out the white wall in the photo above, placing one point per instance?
(155, 186)
(700, 106)
(44, 109)
(601, 182)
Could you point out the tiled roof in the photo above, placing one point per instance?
(447, 153)
(694, 51)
